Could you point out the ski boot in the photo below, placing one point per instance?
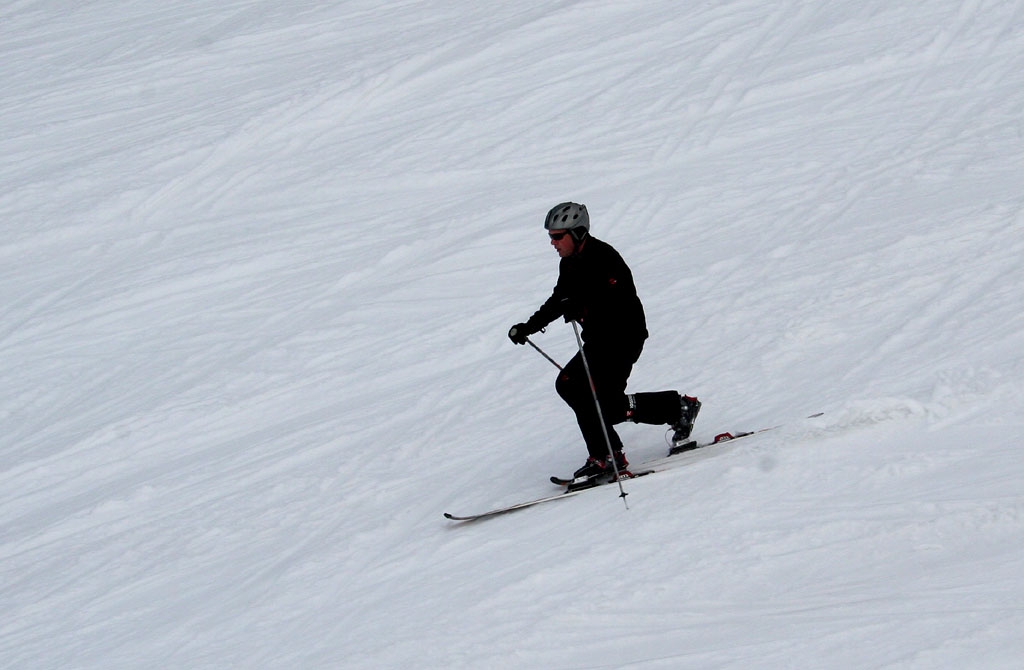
(601, 466)
(598, 470)
(688, 408)
(594, 467)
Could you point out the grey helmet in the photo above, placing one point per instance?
(569, 216)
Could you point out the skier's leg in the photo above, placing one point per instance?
(610, 381)
(659, 407)
(664, 407)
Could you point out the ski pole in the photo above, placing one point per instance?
(600, 414)
(541, 352)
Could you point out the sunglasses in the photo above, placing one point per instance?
(558, 236)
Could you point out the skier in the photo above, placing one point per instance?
(595, 288)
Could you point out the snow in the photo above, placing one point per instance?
(258, 263)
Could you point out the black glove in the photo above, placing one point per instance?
(518, 333)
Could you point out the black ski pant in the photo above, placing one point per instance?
(610, 368)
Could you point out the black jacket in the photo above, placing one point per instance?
(596, 285)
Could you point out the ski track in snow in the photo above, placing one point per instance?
(259, 261)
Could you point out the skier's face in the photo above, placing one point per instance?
(563, 242)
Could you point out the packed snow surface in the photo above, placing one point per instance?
(259, 260)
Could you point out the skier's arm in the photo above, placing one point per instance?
(548, 312)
